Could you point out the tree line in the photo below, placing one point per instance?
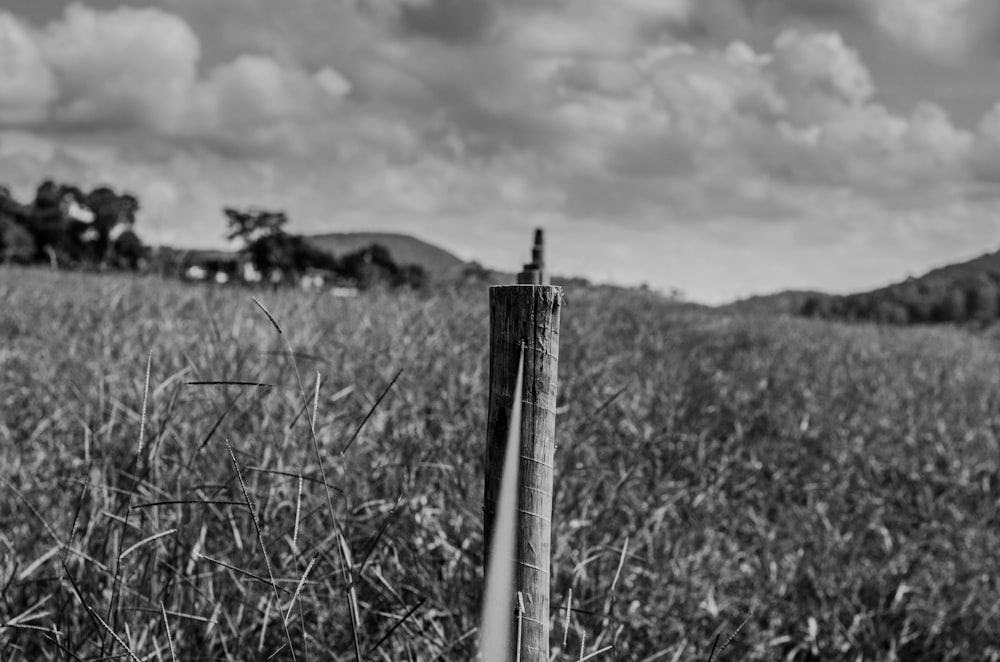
(958, 295)
(279, 256)
(68, 227)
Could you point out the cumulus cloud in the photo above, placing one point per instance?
(815, 68)
(333, 82)
(947, 31)
(123, 66)
(659, 129)
(27, 85)
(138, 69)
(254, 89)
(639, 113)
(985, 159)
(833, 135)
(989, 127)
(582, 27)
(707, 92)
(933, 138)
(941, 28)
(598, 113)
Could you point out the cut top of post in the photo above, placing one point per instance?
(534, 272)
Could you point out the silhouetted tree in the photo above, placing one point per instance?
(65, 227)
(111, 211)
(251, 224)
(58, 237)
(374, 266)
(276, 254)
(16, 243)
(951, 307)
(888, 311)
(817, 306)
(128, 251)
(370, 267)
(413, 276)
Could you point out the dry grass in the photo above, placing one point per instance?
(839, 484)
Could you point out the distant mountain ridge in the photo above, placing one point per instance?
(987, 263)
(961, 292)
(404, 248)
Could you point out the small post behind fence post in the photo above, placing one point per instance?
(526, 313)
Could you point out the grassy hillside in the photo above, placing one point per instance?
(838, 484)
(963, 292)
(988, 263)
(405, 249)
(788, 302)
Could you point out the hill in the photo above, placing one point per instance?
(788, 302)
(987, 263)
(962, 292)
(404, 248)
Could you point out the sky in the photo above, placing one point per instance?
(721, 147)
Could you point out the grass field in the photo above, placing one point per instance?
(837, 484)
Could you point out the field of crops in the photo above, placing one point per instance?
(832, 488)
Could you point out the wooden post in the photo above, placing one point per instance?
(528, 314)
(534, 271)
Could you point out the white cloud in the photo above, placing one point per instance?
(656, 133)
(940, 28)
(137, 69)
(126, 65)
(333, 82)
(931, 135)
(709, 92)
(27, 85)
(984, 162)
(588, 27)
(584, 115)
(989, 126)
(817, 69)
(25, 144)
(255, 89)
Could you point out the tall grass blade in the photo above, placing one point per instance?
(352, 594)
(569, 609)
(166, 631)
(229, 382)
(36, 628)
(371, 411)
(718, 655)
(374, 543)
(111, 613)
(214, 428)
(298, 516)
(263, 549)
(715, 644)
(155, 536)
(79, 596)
(591, 656)
(343, 548)
(114, 635)
(298, 588)
(395, 626)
